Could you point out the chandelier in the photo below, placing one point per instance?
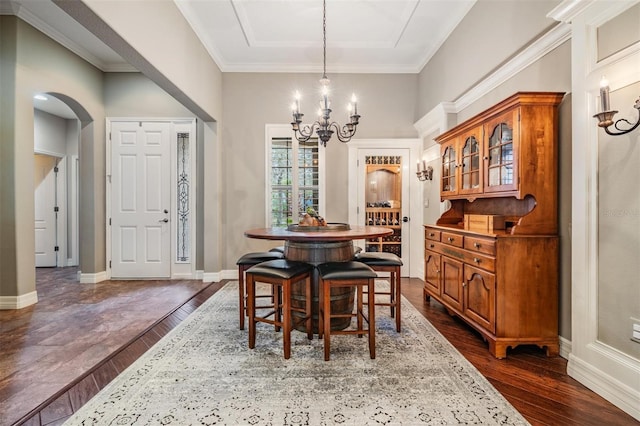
(324, 127)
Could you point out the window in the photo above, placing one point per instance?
(293, 176)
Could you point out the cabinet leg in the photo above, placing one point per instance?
(425, 295)
(499, 350)
(553, 350)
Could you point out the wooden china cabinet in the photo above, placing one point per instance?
(492, 258)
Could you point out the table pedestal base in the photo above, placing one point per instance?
(318, 252)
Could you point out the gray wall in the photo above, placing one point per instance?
(251, 100)
(131, 94)
(479, 46)
(491, 33)
(33, 63)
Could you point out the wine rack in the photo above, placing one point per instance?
(383, 201)
(382, 217)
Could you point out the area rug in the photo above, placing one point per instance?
(202, 373)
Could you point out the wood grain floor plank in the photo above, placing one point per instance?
(82, 392)
(536, 385)
(58, 409)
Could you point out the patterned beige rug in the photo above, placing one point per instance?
(202, 373)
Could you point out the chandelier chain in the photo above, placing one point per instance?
(324, 38)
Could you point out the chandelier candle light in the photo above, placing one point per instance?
(323, 127)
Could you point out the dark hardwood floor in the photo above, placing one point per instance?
(59, 353)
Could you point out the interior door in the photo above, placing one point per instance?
(140, 200)
(45, 215)
(383, 199)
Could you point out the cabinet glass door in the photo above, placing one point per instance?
(471, 151)
(449, 167)
(502, 153)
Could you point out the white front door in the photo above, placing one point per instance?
(45, 215)
(140, 200)
(381, 200)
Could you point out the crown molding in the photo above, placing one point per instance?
(545, 44)
(568, 9)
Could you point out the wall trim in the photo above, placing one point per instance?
(436, 120)
(18, 302)
(605, 385)
(565, 347)
(92, 278)
(534, 52)
(225, 274)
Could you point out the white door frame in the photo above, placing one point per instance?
(415, 192)
(178, 269)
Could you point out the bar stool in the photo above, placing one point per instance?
(280, 273)
(279, 249)
(245, 262)
(346, 274)
(386, 262)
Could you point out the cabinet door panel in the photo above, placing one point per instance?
(501, 153)
(432, 273)
(480, 297)
(452, 282)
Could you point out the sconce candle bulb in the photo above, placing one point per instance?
(604, 94)
(424, 172)
(605, 117)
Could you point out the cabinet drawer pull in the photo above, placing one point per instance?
(464, 284)
(431, 246)
(476, 245)
(450, 239)
(431, 234)
(475, 259)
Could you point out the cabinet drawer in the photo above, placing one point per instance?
(432, 234)
(452, 239)
(478, 260)
(431, 245)
(480, 245)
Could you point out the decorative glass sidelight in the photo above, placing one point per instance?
(183, 251)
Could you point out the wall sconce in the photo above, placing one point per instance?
(424, 172)
(605, 118)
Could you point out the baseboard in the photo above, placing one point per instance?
(611, 389)
(86, 278)
(565, 347)
(18, 302)
(225, 274)
(199, 275)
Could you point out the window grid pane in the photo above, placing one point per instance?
(283, 190)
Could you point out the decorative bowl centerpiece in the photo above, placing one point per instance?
(312, 221)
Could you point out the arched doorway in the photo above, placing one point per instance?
(58, 123)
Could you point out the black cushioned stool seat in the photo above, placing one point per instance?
(386, 262)
(245, 262)
(283, 274)
(346, 274)
(279, 249)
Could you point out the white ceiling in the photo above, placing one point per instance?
(369, 36)
(363, 36)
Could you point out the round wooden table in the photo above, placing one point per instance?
(316, 245)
